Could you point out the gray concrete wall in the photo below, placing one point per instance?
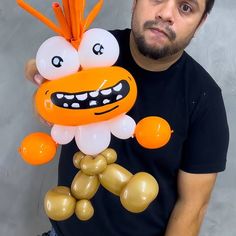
(22, 187)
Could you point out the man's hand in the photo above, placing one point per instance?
(32, 74)
(194, 192)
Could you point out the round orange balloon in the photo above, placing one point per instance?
(153, 132)
(37, 148)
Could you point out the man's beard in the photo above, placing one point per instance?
(155, 52)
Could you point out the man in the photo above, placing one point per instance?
(171, 85)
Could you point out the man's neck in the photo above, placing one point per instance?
(151, 64)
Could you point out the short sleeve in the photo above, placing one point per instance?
(205, 148)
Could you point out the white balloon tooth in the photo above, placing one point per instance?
(92, 103)
(106, 91)
(106, 101)
(94, 94)
(119, 97)
(82, 97)
(75, 105)
(69, 97)
(118, 87)
(65, 105)
(60, 96)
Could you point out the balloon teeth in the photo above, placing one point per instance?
(82, 97)
(91, 99)
(69, 97)
(106, 101)
(106, 92)
(94, 94)
(119, 97)
(60, 96)
(93, 103)
(118, 87)
(75, 105)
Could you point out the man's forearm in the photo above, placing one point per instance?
(186, 219)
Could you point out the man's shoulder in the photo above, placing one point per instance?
(198, 75)
(120, 33)
(122, 37)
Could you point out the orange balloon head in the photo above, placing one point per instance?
(83, 86)
(87, 96)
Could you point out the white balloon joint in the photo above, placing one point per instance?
(96, 137)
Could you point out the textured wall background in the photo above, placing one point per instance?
(22, 187)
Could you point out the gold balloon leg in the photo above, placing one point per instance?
(84, 210)
(141, 190)
(84, 186)
(59, 204)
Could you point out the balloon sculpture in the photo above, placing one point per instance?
(86, 98)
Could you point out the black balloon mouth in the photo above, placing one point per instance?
(91, 99)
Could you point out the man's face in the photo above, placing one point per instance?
(164, 27)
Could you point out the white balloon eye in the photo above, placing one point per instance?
(57, 58)
(98, 48)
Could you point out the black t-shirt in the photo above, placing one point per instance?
(189, 99)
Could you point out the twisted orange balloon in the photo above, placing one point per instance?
(72, 23)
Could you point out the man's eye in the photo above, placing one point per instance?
(185, 8)
(156, 1)
(57, 61)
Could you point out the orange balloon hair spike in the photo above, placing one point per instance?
(78, 14)
(66, 9)
(62, 20)
(73, 18)
(82, 9)
(39, 16)
(72, 23)
(92, 15)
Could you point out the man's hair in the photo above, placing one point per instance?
(209, 5)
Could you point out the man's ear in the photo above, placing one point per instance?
(202, 21)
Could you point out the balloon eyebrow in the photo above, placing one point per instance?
(70, 16)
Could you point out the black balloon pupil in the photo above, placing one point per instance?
(57, 61)
(98, 49)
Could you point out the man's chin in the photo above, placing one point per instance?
(155, 44)
(151, 53)
(152, 48)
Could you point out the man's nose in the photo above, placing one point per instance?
(166, 11)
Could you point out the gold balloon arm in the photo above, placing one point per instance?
(114, 178)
